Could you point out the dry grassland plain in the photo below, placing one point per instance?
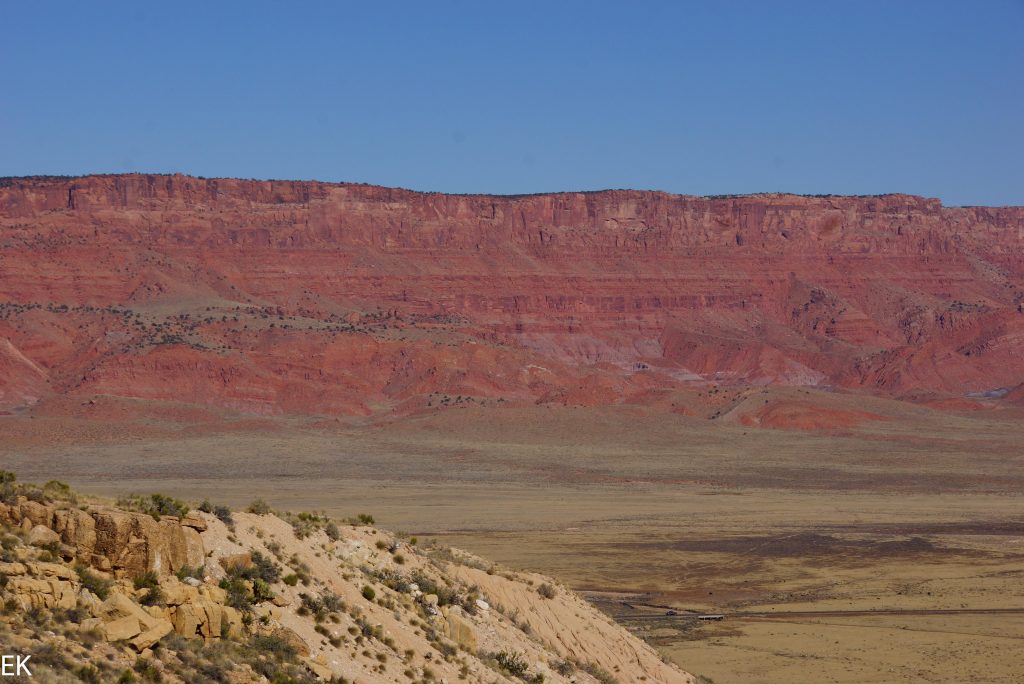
(890, 551)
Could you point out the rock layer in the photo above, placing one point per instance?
(299, 297)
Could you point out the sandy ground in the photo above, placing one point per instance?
(923, 510)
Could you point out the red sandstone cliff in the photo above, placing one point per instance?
(300, 297)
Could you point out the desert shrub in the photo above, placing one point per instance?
(259, 507)
(291, 580)
(146, 581)
(546, 590)
(186, 571)
(93, 582)
(264, 568)
(239, 597)
(89, 674)
(368, 593)
(57, 490)
(513, 663)
(8, 488)
(599, 673)
(222, 513)
(445, 595)
(305, 524)
(261, 591)
(566, 668)
(151, 582)
(273, 645)
(364, 519)
(156, 505)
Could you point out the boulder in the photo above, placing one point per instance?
(195, 553)
(152, 635)
(460, 631)
(89, 624)
(320, 670)
(36, 513)
(232, 617)
(50, 570)
(11, 569)
(194, 520)
(40, 535)
(121, 628)
(238, 561)
(291, 637)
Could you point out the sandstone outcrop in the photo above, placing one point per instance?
(127, 543)
(304, 297)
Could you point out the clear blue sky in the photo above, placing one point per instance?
(698, 98)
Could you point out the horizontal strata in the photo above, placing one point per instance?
(382, 296)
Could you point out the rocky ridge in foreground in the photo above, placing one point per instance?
(148, 590)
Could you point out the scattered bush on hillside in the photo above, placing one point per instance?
(223, 513)
(259, 507)
(151, 583)
(100, 586)
(446, 596)
(599, 673)
(512, 663)
(186, 571)
(156, 505)
(546, 590)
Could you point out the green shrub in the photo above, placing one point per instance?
(93, 582)
(368, 593)
(156, 505)
(259, 507)
(513, 663)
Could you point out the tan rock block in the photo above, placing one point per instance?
(40, 535)
(195, 552)
(122, 628)
(320, 670)
(239, 561)
(89, 624)
(152, 635)
(291, 637)
(194, 520)
(187, 620)
(51, 570)
(231, 617)
(214, 593)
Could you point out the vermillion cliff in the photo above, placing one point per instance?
(306, 297)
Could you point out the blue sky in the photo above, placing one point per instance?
(696, 98)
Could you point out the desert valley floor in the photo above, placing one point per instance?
(889, 550)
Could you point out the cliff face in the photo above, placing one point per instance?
(303, 296)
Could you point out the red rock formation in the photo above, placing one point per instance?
(311, 297)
